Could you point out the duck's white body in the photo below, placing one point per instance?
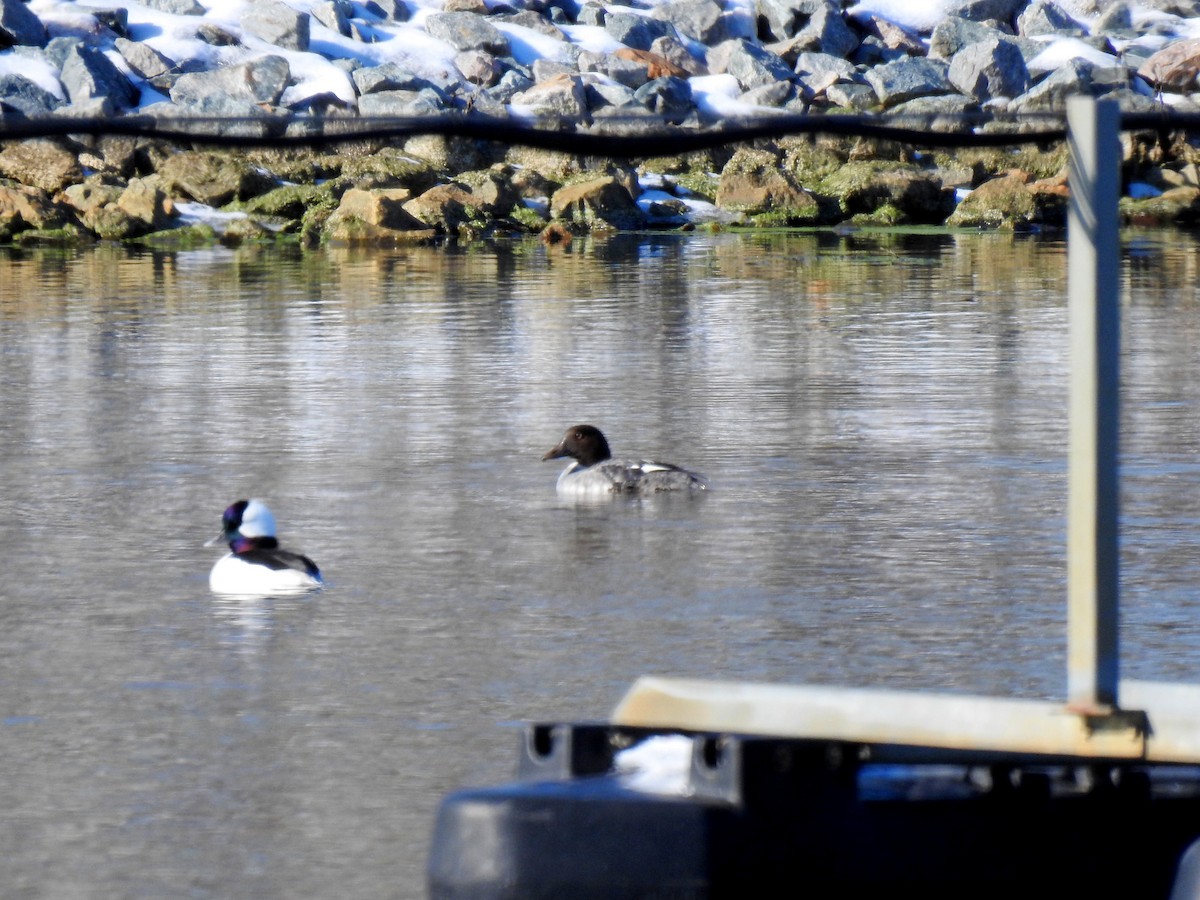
(617, 477)
(256, 565)
(593, 473)
(233, 574)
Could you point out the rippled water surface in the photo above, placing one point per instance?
(882, 417)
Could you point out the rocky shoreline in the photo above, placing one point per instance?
(672, 66)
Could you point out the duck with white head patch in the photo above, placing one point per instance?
(594, 473)
(256, 564)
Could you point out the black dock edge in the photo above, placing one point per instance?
(765, 817)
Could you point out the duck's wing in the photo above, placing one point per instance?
(657, 476)
(278, 559)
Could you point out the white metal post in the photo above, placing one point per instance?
(1093, 269)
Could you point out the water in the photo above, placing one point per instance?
(883, 418)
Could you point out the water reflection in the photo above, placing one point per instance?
(882, 418)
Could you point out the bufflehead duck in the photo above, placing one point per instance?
(593, 472)
(256, 564)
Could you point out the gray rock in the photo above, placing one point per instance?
(749, 63)
(602, 93)
(425, 102)
(874, 52)
(989, 69)
(20, 26)
(625, 72)
(277, 23)
(55, 52)
(700, 20)
(753, 182)
(144, 59)
(942, 113)
(893, 36)
(953, 33)
(393, 10)
(21, 94)
(115, 20)
(773, 95)
(783, 18)
(389, 77)
(511, 83)
(1117, 19)
(236, 117)
(259, 81)
(635, 31)
(857, 97)
(533, 22)
(670, 98)
(334, 15)
(909, 78)
(828, 32)
(467, 31)
(87, 74)
(545, 69)
(591, 14)
(176, 7)
(41, 164)
(562, 96)
(216, 36)
(602, 203)
(983, 10)
(478, 67)
(1051, 94)
(820, 64)
(677, 54)
(213, 178)
(1045, 17)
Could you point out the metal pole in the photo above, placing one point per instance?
(1093, 257)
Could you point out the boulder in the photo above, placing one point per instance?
(827, 32)
(145, 202)
(984, 10)
(87, 74)
(259, 81)
(40, 163)
(144, 59)
(638, 32)
(20, 26)
(699, 20)
(561, 96)
(213, 178)
(374, 216)
(23, 208)
(1174, 67)
(1004, 202)
(1042, 18)
(447, 207)
(467, 31)
(334, 15)
(24, 96)
(601, 203)
(425, 102)
(909, 78)
(752, 182)
(95, 205)
(989, 69)
(862, 188)
(749, 63)
(781, 19)
(277, 23)
(176, 7)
